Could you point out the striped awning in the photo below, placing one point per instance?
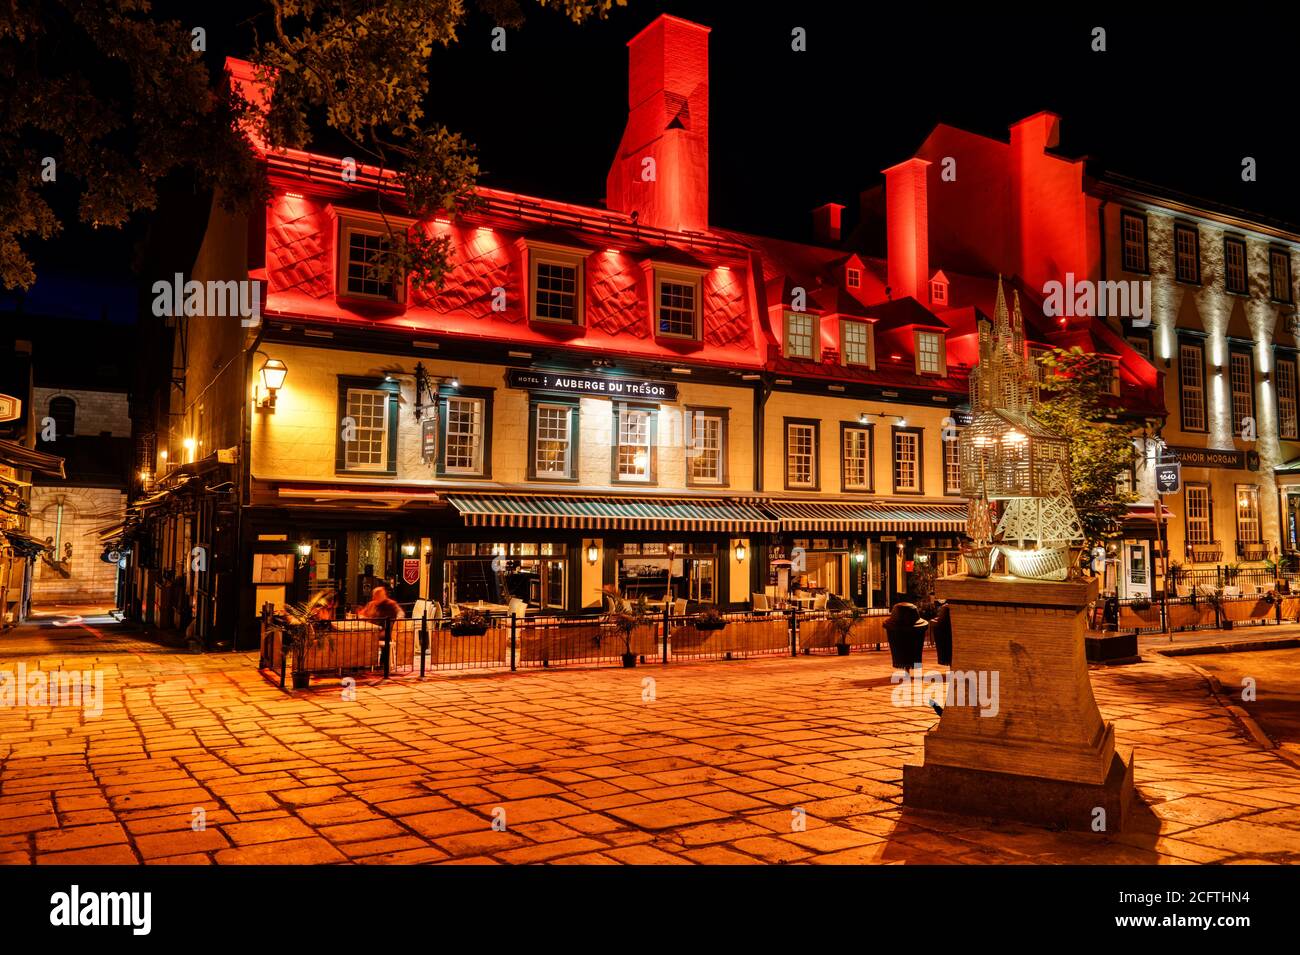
(19, 456)
(698, 514)
(848, 517)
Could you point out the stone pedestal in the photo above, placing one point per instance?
(1043, 754)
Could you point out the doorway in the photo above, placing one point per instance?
(1137, 569)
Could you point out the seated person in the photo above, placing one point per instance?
(381, 606)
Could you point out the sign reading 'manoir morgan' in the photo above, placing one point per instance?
(602, 386)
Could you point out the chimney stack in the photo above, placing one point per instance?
(826, 223)
(907, 228)
(661, 169)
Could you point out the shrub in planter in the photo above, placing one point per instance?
(305, 633)
(625, 623)
(710, 619)
(1140, 604)
(469, 623)
(843, 621)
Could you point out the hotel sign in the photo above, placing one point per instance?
(1208, 458)
(595, 386)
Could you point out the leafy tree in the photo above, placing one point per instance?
(100, 100)
(1076, 405)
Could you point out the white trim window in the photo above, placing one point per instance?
(704, 457)
(907, 461)
(929, 353)
(464, 450)
(677, 312)
(1191, 375)
(857, 459)
(634, 445)
(938, 292)
(856, 346)
(556, 292)
(553, 442)
(1234, 265)
(854, 278)
(1187, 253)
(368, 449)
(951, 465)
(1248, 514)
(1197, 499)
(1133, 234)
(1243, 389)
(801, 454)
(1286, 400)
(800, 335)
(364, 254)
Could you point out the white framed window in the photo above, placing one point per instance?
(930, 359)
(555, 283)
(677, 303)
(907, 461)
(1286, 399)
(634, 451)
(857, 459)
(464, 440)
(553, 441)
(1248, 514)
(1279, 274)
(1196, 497)
(1187, 253)
(705, 457)
(368, 449)
(1191, 376)
(801, 454)
(364, 255)
(951, 465)
(854, 278)
(856, 345)
(1133, 235)
(1243, 389)
(938, 293)
(801, 335)
(1234, 265)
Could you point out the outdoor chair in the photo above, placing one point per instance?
(820, 601)
(679, 607)
(1231, 590)
(760, 603)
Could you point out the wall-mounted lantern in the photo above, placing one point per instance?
(273, 374)
(741, 553)
(593, 553)
(304, 552)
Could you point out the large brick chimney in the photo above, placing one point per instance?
(907, 229)
(661, 169)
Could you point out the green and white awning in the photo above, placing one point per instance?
(613, 513)
(850, 517)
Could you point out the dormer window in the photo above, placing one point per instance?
(856, 344)
(365, 266)
(801, 336)
(939, 289)
(853, 278)
(555, 283)
(676, 298)
(930, 357)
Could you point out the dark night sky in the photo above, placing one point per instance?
(1177, 100)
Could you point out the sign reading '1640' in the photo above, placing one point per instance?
(603, 386)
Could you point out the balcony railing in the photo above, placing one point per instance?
(1207, 553)
(1255, 551)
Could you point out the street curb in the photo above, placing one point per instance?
(1239, 713)
(1244, 646)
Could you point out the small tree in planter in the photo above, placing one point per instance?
(469, 623)
(625, 623)
(305, 634)
(843, 621)
(1215, 599)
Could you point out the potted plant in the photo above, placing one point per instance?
(1230, 572)
(625, 621)
(1141, 604)
(305, 633)
(710, 619)
(843, 621)
(469, 623)
(1215, 600)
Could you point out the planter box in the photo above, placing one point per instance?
(448, 650)
(739, 638)
(594, 641)
(1111, 648)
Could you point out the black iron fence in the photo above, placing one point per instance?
(507, 642)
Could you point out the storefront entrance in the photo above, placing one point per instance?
(1136, 569)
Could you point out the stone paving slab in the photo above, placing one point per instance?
(198, 759)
